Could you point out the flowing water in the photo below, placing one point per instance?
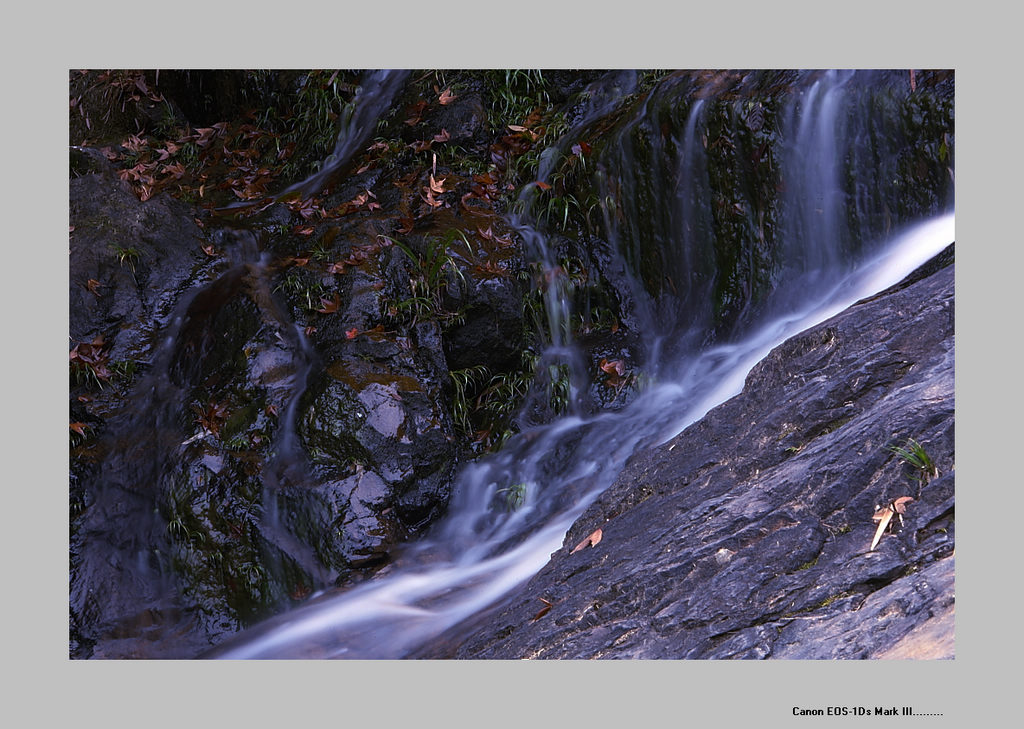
(476, 555)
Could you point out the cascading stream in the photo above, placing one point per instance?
(476, 555)
(476, 559)
(560, 351)
(359, 119)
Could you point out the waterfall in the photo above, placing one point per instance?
(358, 121)
(663, 227)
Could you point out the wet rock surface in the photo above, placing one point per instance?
(748, 534)
(128, 261)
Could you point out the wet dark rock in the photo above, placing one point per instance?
(493, 332)
(464, 119)
(141, 255)
(388, 420)
(343, 520)
(747, 535)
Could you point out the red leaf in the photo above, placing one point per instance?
(80, 428)
(329, 306)
(446, 97)
(613, 367)
(416, 112)
(352, 333)
(543, 185)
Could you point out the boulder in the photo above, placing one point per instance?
(749, 534)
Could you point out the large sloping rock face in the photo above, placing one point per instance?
(748, 535)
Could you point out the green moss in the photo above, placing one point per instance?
(807, 565)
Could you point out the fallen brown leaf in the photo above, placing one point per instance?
(415, 112)
(613, 367)
(591, 541)
(900, 504)
(543, 611)
(329, 306)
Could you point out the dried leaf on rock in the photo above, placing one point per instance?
(446, 97)
(591, 541)
(543, 611)
(613, 366)
(883, 517)
(430, 200)
(416, 111)
(900, 504)
(329, 306)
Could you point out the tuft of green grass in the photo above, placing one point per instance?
(431, 269)
(301, 287)
(126, 255)
(914, 455)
